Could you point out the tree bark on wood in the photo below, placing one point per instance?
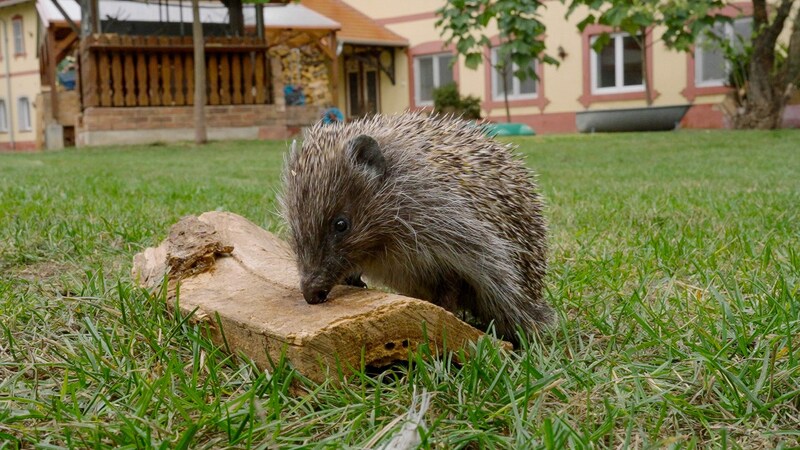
(200, 135)
(241, 281)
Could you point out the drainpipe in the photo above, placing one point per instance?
(9, 110)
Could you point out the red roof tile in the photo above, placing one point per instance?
(357, 27)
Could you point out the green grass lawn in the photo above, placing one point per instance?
(675, 270)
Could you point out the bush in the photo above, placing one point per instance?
(447, 100)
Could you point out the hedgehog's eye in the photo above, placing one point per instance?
(341, 224)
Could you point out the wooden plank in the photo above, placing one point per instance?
(154, 75)
(239, 277)
(118, 82)
(181, 48)
(225, 79)
(89, 77)
(104, 68)
(213, 45)
(213, 79)
(166, 74)
(64, 46)
(141, 77)
(247, 73)
(188, 64)
(129, 76)
(177, 67)
(260, 79)
(236, 73)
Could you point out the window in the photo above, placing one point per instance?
(517, 89)
(24, 114)
(617, 67)
(3, 117)
(19, 37)
(711, 68)
(431, 72)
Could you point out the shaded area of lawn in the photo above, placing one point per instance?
(674, 266)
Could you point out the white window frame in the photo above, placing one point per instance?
(619, 68)
(728, 31)
(436, 76)
(23, 114)
(4, 116)
(514, 93)
(18, 30)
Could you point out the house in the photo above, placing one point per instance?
(137, 72)
(131, 80)
(587, 85)
(19, 75)
(371, 58)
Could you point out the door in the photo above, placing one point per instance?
(362, 90)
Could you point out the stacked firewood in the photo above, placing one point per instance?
(304, 67)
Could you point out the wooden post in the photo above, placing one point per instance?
(88, 8)
(334, 70)
(88, 61)
(94, 5)
(52, 71)
(200, 136)
(260, 20)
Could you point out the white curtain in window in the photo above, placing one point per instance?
(24, 114)
(3, 116)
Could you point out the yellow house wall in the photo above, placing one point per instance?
(24, 70)
(563, 84)
(394, 97)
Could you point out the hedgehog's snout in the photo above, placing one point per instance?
(314, 296)
(315, 290)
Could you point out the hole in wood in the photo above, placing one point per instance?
(388, 371)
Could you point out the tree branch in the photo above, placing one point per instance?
(774, 29)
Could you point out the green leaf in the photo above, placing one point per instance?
(473, 60)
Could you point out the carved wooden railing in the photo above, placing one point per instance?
(159, 71)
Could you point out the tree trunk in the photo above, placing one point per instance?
(793, 57)
(767, 87)
(200, 136)
(236, 16)
(648, 90)
(503, 69)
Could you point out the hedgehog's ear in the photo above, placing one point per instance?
(364, 151)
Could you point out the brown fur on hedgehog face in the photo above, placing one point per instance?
(333, 187)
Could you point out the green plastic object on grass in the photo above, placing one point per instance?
(508, 129)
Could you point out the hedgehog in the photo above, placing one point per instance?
(428, 206)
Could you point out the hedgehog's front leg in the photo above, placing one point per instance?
(454, 294)
(355, 280)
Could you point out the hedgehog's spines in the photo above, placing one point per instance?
(456, 216)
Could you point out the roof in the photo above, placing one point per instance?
(279, 16)
(4, 3)
(357, 27)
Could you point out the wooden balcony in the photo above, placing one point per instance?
(130, 71)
